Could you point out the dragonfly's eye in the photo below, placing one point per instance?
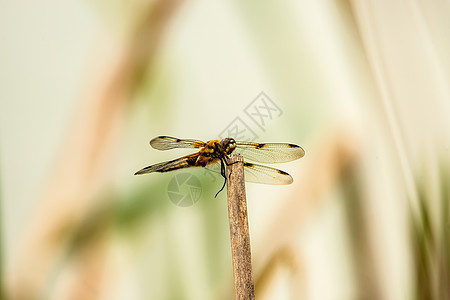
(231, 145)
(228, 145)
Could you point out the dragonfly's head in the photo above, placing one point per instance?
(228, 145)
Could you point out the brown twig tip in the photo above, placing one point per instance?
(239, 232)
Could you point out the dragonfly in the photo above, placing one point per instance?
(214, 154)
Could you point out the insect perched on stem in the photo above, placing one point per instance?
(215, 153)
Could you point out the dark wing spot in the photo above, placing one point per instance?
(293, 146)
(248, 164)
(258, 146)
(177, 140)
(282, 172)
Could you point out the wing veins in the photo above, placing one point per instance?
(168, 142)
(266, 175)
(179, 163)
(269, 152)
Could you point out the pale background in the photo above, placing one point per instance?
(364, 89)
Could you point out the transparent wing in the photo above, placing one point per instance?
(214, 167)
(265, 175)
(167, 142)
(257, 173)
(269, 152)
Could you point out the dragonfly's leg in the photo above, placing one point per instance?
(222, 172)
(221, 189)
(229, 164)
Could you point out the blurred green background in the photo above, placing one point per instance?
(362, 86)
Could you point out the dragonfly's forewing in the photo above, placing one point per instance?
(269, 152)
(167, 143)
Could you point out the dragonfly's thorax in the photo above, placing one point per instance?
(219, 148)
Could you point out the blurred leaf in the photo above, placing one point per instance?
(431, 246)
(2, 276)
